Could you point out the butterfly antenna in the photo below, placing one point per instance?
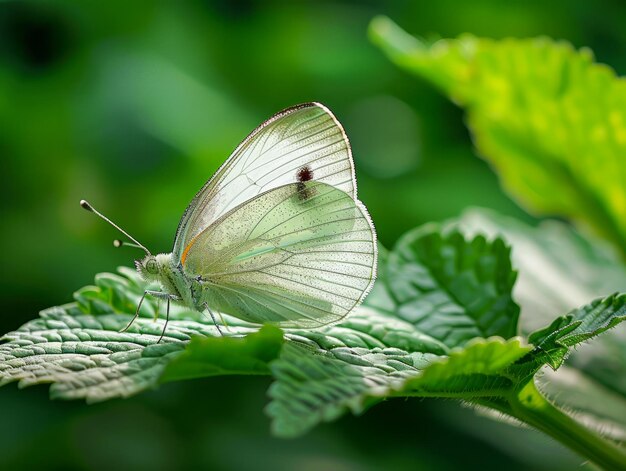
(122, 243)
(117, 243)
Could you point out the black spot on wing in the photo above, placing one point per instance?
(305, 174)
(304, 190)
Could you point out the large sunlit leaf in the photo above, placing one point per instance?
(550, 120)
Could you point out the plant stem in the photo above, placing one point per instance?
(531, 407)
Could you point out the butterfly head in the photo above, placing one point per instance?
(148, 268)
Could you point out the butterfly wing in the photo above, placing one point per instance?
(305, 135)
(300, 255)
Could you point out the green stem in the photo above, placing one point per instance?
(531, 407)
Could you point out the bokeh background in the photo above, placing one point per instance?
(133, 105)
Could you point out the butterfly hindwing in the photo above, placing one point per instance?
(301, 255)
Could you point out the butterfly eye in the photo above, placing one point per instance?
(152, 266)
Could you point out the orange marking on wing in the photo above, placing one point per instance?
(186, 251)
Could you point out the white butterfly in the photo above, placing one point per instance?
(278, 234)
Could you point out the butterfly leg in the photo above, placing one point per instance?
(159, 295)
(136, 313)
(168, 298)
(206, 306)
(167, 319)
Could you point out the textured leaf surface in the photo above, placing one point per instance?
(578, 326)
(315, 385)
(452, 288)
(560, 270)
(212, 356)
(481, 368)
(550, 120)
(438, 296)
(79, 349)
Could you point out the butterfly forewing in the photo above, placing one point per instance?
(306, 136)
(301, 255)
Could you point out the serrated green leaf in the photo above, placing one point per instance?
(211, 356)
(79, 349)
(452, 288)
(549, 119)
(317, 385)
(558, 268)
(580, 325)
(322, 373)
(478, 369)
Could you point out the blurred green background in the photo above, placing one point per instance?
(133, 105)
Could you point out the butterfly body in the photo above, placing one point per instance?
(160, 269)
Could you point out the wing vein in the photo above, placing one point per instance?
(330, 271)
(283, 138)
(315, 287)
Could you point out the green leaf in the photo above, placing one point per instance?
(479, 369)
(343, 365)
(79, 349)
(550, 120)
(578, 326)
(452, 288)
(464, 285)
(558, 268)
(366, 328)
(315, 385)
(211, 356)
(320, 383)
